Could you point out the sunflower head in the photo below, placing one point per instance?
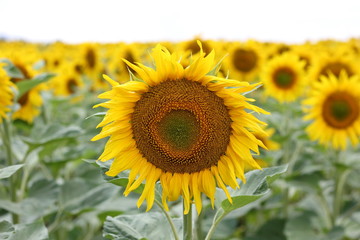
(284, 77)
(327, 64)
(334, 108)
(244, 60)
(6, 93)
(190, 130)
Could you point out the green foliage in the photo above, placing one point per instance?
(9, 171)
(152, 225)
(25, 86)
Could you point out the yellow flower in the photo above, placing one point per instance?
(181, 126)
(67, 81)
(31, 101)
(283, 77)
(118, 68)
(244, 61)
(6, 94)
(334, 107)
(327, 63)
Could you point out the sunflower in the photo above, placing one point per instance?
(305, 53)
(92, 66)
(334, 107)
(31, 101)
(244, 61)
(190, 130)
(328, 63)
(283, 77)
(67, 81)
(117, 67)
(6, 94)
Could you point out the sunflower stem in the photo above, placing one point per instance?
(287, 159)
(217, 219)
(340, 179)
(187, 220)
(9, 154)
(168, 217)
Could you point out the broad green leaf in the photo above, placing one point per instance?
(9, 171)
(6, 230)
(31, 231)
(299, 228)
(271, 230)
(26, 85)
(52, 133)
(257, 180)
(11, 70)
(337, 233)
(41, 200)
(239, 201)
(151, 225)
(256, 187)
(77, 196)
(11, 206)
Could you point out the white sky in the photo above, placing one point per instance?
(292, 21)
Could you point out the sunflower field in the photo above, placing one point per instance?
(198, 139)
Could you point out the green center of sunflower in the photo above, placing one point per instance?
(244, 60)
(335, 68)
(180, 126)
(284, 77)
(340, 110)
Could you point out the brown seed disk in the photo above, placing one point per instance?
(335, 68)
(284, 77)
(244, 60)
(340, 110)
(90, 58)
(181, 127)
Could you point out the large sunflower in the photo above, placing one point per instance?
(6, 94)
(190, 130)
(284, 78)
(334, 107)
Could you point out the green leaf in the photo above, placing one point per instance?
(11, 70)
(151, 225)
(271, 230)
(77, 196)
(25, 86)
(337, 233)
(299, 228)
(99, 114)
(9, 171)
(257, 181)
(256, 186)
(6, 230)
(52, 133)
(239, 201)
(31, 231)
